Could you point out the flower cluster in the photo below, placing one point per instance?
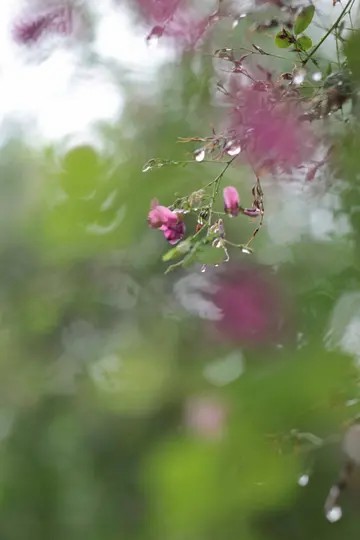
(266, 116)
(207, 234)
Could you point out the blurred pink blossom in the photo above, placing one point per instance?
(177, 20)
(205, 417)
(187, 28)
(30, 28)
(158, 11)
(231, 200)
(269, 127)
(254, 308)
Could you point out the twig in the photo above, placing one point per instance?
(335, 25)
(215, 183)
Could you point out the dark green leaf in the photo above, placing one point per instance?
(304, 18)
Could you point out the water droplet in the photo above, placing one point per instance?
(334, 515)
(303, 480)
(299, 76)
(317, 76)
(233, 148)
(199, 155)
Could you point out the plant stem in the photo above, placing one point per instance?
(216, 183)
(335, 25)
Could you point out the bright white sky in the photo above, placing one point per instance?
(59, 96)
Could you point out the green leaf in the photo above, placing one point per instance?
(210, 255)
(177, 251)
(304, 18)
(304, 43)
(283, 39)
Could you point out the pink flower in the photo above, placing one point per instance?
(161, 216)
(231, 200)
(174, 232)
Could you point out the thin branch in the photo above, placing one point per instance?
(331, 29)
(216, 183)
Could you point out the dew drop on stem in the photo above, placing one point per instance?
(199, 155)
(334, 514)
(233, 148)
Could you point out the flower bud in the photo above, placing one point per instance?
(252, 212)
(231, 200)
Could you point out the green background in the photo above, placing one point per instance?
(102, 359)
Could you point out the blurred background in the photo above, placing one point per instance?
(141, 406)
